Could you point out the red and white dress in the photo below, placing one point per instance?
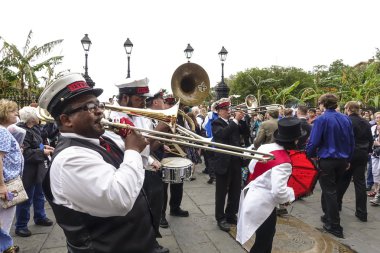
(267, 189)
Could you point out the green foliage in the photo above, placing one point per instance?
(292, 85)
(23, 69)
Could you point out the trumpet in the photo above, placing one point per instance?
(251, 105)
(190, 141)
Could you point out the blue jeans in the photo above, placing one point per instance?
(37, 198)
(369, 172)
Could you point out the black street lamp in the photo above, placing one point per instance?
(86, 43)
(128, 49)
(221, 88)
(188, 52)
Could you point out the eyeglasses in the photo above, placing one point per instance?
(90, 107)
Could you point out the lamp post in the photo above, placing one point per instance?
(221, 88)
(188, 52)
(86, 43)
(128, 49)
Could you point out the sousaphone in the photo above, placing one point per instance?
(191, 84)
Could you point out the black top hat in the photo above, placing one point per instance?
(289, 129)
(55, 96)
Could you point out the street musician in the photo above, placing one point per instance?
(134, 94)
(94, 188)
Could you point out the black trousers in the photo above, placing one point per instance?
(153, 188)
(176, 193)
(357, 173)
(264, 235)
(229, 183)
(331, 171)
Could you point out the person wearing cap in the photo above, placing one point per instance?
(268, 189)
(227, 168)
(176, 190)
(332, 142)
(267, 128)
(94, 187)
(135, 94)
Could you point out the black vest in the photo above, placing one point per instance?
(132, 233)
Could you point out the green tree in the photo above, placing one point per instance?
(24, 63)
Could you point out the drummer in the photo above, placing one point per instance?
(258, 200)
(134, 94)
(176, 190)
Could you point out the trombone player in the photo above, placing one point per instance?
(94, 188)
(134, 94)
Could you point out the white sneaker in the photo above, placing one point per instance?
(375, 201)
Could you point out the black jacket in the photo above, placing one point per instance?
(226, 133)
(362, 134)
(35, 162)
(305, 126)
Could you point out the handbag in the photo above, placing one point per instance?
(17, 191)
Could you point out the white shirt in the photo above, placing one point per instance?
(81, 180)
(199, 121)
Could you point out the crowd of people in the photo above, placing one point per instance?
(107, 191)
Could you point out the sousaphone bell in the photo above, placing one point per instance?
(191, 84)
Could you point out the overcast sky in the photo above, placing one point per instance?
(299, 33)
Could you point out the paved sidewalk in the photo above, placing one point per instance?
(199, 232)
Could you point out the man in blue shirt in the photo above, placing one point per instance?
(332, 142)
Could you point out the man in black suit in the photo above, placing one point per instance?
(356, 171)
(301, 114)
(227, 168)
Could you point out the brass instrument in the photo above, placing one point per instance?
(190, 83)
(251, 106)
(191, 142)
(169, 117)
(44, 115)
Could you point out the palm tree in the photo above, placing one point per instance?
(24, 62)
(259, 83)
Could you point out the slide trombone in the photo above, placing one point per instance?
(190, 141)
(169, 116)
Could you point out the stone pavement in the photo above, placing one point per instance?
(199, 232)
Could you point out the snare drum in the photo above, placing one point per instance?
(176, 169)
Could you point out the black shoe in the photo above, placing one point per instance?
(210, 181)
(324, 218)
(223, 225)
(45, 222)
(362, 218)
(232, 220)
(338, 231)
(179, 213)
(160, 249)
(24, 232)
(205, 171)
(164, 223)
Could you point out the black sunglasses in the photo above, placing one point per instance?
(90, 107)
